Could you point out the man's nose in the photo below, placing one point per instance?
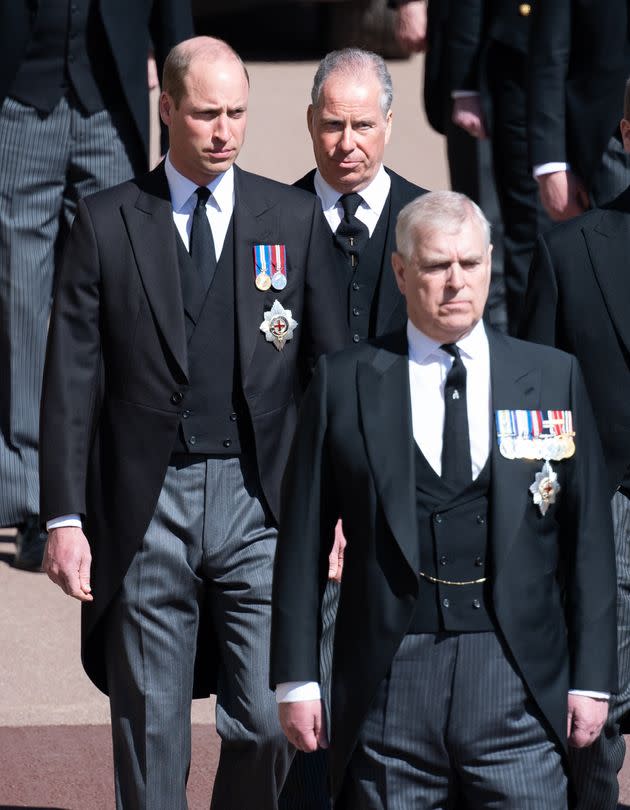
(455, 278)
(222, 128)
(347, 140)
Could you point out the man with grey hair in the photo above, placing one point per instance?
(350, 120)
(475, 635)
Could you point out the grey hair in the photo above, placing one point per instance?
(437, 210)
(354, 62)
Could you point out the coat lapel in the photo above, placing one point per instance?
(384, 402)
(389, 297)
(514, 386)
(252, 226)
(152, 234)
(605, 241)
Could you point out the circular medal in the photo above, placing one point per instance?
(278, 281)
(263, 282)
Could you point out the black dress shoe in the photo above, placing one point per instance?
(30, 544)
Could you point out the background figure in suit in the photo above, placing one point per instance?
(349, 120)
(167, 415)
(455, 642)
(74, 118)
(488, 55)
(579, 62)
(578, 299)
(420, 26)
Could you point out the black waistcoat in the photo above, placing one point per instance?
(453, 537)
(213, 416)
(67, 50)
(363, 280)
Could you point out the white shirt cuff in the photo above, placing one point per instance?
(64, 521)
(294, 691)
(588, 693)
(464, 93)
(549, 168)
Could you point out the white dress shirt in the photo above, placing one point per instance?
(428, 368)
(219, 210)
(374, 197)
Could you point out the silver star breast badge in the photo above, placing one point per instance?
(278, 325)
(545, 488)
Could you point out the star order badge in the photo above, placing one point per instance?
(278, 325)
(545, 487)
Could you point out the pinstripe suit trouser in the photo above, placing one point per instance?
(47, 163)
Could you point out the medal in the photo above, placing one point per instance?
(263, 282)
(545, 487)
(270, 263)
(535, 434)
(278, 325)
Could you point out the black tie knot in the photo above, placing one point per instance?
(203, 195)
(451, 348)
(350, 203)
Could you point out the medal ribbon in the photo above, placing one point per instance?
(262, 259)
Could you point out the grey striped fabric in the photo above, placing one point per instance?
(210, 539)
(453, 726)
(46, 164)
(594, 769)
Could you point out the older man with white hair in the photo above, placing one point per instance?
(475, 634)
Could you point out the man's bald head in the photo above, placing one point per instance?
(178, 63)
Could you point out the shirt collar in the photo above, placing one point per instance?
(373, 195)
(182, 188)
(422, 348)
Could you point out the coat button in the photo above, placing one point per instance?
(481, 520)
(438, 518)
(227, 443)
(476, 604)
(443, 559)
(192, 440)
(525, 9)
(356, 338)
(233, 417)
(356, 311)
(446, 603)
(356, 286)
(478, 562)
(186, 414)
(177, 397)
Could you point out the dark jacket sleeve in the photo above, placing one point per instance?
(72, 376)
(466, 26)
(307, 520)
(538, 323)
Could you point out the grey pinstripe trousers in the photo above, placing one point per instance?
(594, 769)
(47, 162)
(211, 541)
(453, 726)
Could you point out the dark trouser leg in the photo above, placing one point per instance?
(594, 769)
(470, 168)
(522, 214)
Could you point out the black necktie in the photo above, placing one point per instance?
(456, 464)
(351, 235)
(201, 241)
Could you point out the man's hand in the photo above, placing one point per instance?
(563, 195)
(335, 558)
(303, 724)
(468, 115)
(410, 26)
(585, 720)
(153, 79)
(67, 561)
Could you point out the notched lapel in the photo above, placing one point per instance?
(606, 242)
(152, 235)
(514, 386)
(253, 225)
(384, 401)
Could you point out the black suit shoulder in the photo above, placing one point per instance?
(272, 189)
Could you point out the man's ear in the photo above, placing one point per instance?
(309, 119)
(398, 265)
(166, 105)
(624, 126)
